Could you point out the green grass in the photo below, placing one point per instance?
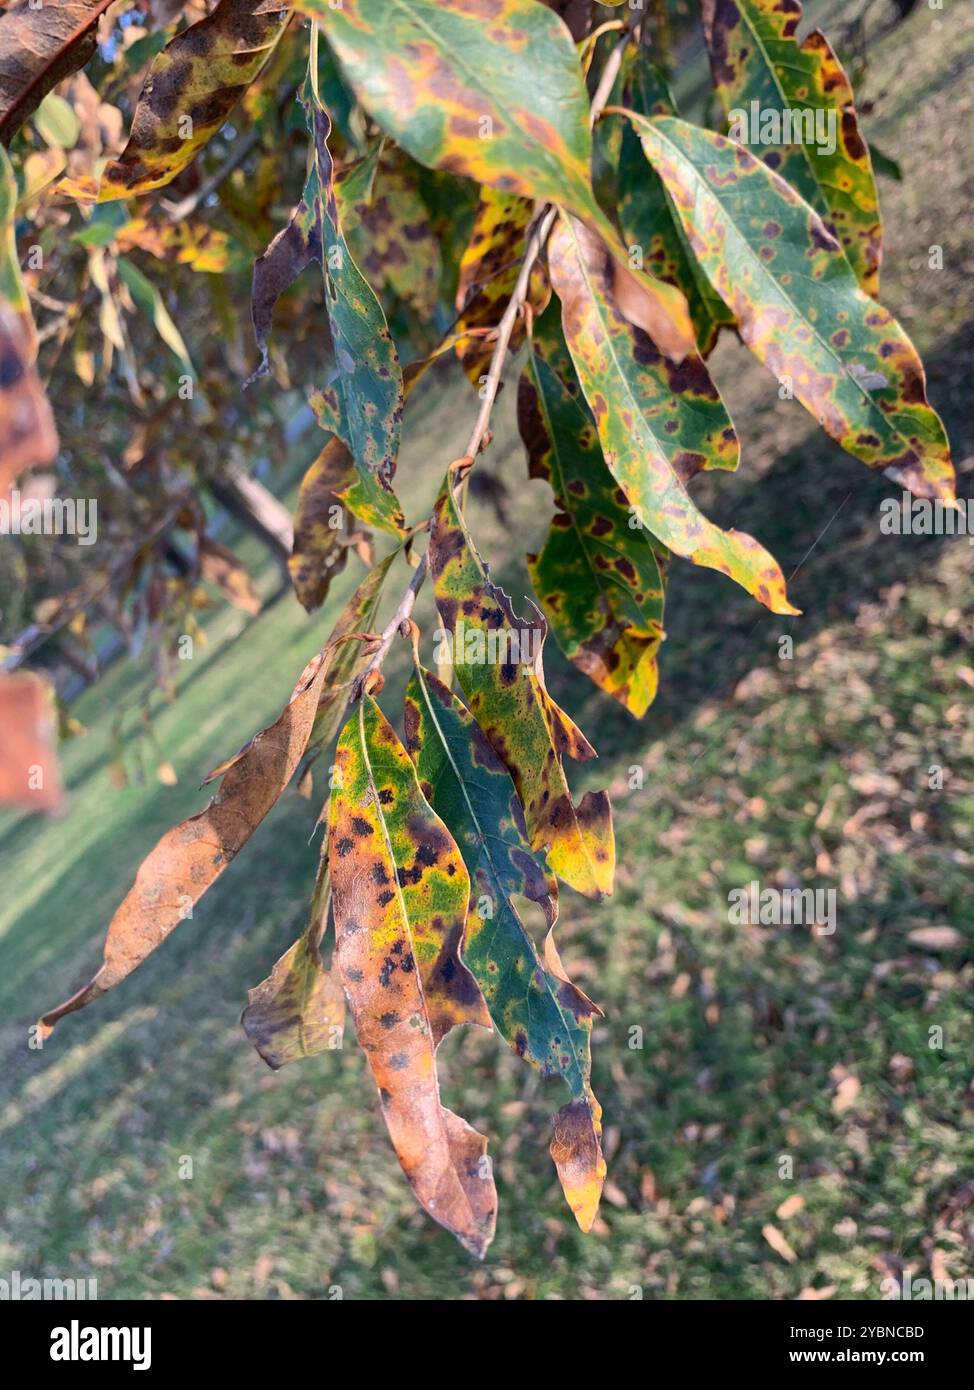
(811, 771)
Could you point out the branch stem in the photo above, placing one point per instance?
(537, 238)
(394, 625)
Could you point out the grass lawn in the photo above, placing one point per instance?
(782, 1114)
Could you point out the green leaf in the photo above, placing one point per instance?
(646, 215)
(885, 164)
(363, 406)
(104, 226)
(760, 68)
(491, 89)
(148, 299)
(56, 122)
(659, 424)
(498, 661)
(13, 293)
(799, 307)
(598, 577)
(401, 892)
(544, 1018)
(487, 88)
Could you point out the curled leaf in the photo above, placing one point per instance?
(363, 406)
(192, 855)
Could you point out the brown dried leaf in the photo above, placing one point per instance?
(220, 567)
(192, 855)
(778, 1243)
(29, 773)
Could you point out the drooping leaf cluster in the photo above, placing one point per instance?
(475, 176)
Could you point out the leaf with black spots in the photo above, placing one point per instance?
(393, 240)
(659, 424)
(497, 656)
(760, 66)
(489, 269)
(546, 1020)
(192, 87)
(400, 896)
(598, 577)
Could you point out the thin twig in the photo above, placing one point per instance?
(589, 41)
(505, 328)
(178, 211)
(609, 74)
(395, 623)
